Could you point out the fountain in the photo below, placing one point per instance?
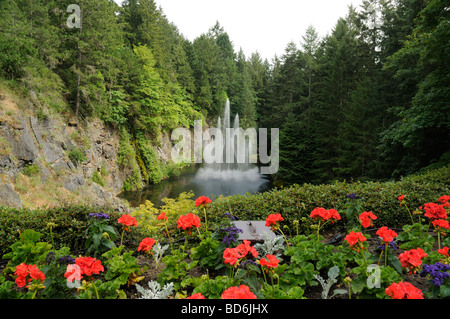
(211, 179)
(237, 176)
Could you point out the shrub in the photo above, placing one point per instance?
(31, 170)
(77, 156)
(297, 202)
(71, 224)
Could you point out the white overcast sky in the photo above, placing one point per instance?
(266, 26)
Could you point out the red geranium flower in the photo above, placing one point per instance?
(89, 266)
(196, 296)
(272, 220)
(355, 238)
(241, 292)
(162, 216)
(412, 259)
(403, 290)
(231, 256)
(386, 234)
(324, 214)
(435, 211)
(245, 248)
(23, 271)
(73, 272)
(444, 251)
(271, 262)
(188, 221)
(367, 219)
(127, 221)
(401, 197)
(146, 245)
(202, 200)
(35, 273)
(440, 223)
(445, 200)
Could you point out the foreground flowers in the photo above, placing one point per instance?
(187, 222)
(127, 221)
(366, 219)
(412, 259)
(355, 240)
(233, 255)
(146, 245)
(241, 292)
(26, 273)
(86, 266)
(324, 216)
(403, 290)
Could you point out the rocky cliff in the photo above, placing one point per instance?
(48, 160)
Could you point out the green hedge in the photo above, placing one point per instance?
(71, 224)
(297, 201)
(294, 203)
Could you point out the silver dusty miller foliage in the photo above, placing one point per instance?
(333, 274)
(155, 291)
(270, 246)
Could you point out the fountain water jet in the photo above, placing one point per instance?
(233, 177)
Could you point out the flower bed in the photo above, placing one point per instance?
(194, 258)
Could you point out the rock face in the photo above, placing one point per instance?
(47, 146)
(9, 197)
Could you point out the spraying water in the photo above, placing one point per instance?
(236, 176)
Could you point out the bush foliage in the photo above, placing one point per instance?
(71, 224)
(294, 203)
(297, 202)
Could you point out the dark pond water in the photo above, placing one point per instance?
(201, 182)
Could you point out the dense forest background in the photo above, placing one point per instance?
(368, 101)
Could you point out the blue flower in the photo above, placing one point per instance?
(231, 234)
(353, 196)
(99, 215)
(66, 260)
(438, 272)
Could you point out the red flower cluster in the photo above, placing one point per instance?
(196, 296)
(162, 216)
(412, 259)
(435, 211)
(403, 290)
(401, 198)
(127, 221)
(440, 225)
(386, 234)
(325, 214)
(272, 220)
(355, 238)
(367, 219)
(232, 255)
(188, 221)
(241, 292)
(202, 200)
(88, 266)
(444, 200)
(146, 245)
(444, 251)
(270, 262)
(23, 271)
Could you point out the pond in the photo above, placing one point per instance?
(202, 182)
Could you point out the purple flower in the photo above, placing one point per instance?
(66, 260)
(438, 272)
(243, 265)
(353, 196)
(393, 245)
(99, 215)
(231, 234)
(230, 216)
